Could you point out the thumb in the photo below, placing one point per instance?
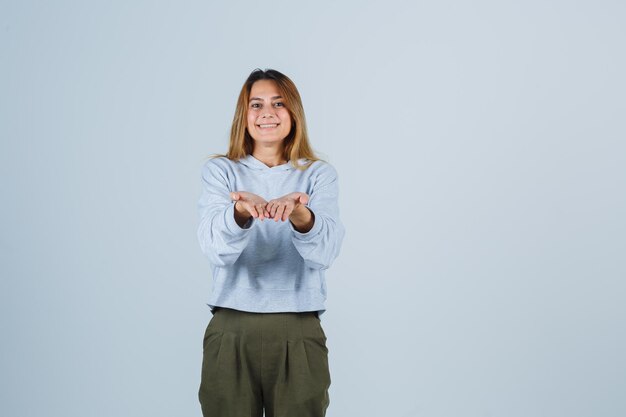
(304, 198)
(234, 196)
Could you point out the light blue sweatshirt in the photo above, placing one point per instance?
(268, 266)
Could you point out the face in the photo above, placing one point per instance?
(268, 118)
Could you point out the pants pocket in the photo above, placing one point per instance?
(321, 329)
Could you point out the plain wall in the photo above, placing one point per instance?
(481, 155)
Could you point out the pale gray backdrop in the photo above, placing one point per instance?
(480, 148)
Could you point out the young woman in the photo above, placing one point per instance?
(270, 227)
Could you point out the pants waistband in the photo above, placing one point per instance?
(216, 308)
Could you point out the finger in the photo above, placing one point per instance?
(261, 209)
(279, 212)
(252, 211)
(287, 213)
(272, 209)
(266, 212)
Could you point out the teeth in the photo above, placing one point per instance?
(266, 126)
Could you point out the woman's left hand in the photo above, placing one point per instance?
(281, 208)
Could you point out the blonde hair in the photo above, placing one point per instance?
(296, 144)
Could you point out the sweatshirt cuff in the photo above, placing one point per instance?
(231, 223)
(317, 227)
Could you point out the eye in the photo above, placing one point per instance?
(253, 105)
(281, 103)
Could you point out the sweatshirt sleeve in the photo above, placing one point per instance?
(221, 239)
(320, 246)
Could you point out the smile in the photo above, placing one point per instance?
(268, 126)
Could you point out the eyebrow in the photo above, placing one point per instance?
(259, 98)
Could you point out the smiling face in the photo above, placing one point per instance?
(268, 119)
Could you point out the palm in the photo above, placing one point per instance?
(252, 203)
(277, 208)
(282, 207)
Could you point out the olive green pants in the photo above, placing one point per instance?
(272, 362)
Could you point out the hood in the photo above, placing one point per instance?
(253, 163)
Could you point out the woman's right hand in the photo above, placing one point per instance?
(249, 204)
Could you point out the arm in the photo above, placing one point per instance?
(302, 219)
(221, 238)
(242, 218)
(321, 244)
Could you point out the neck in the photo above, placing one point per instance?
(270, 157)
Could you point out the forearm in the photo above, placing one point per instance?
(302, 219)
(241, 217)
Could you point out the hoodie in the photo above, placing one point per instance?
(268, 266)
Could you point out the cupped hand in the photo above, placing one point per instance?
(282, 207)
(250, 203)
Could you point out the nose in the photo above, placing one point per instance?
(268, 118)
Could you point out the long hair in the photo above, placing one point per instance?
(296, 144)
